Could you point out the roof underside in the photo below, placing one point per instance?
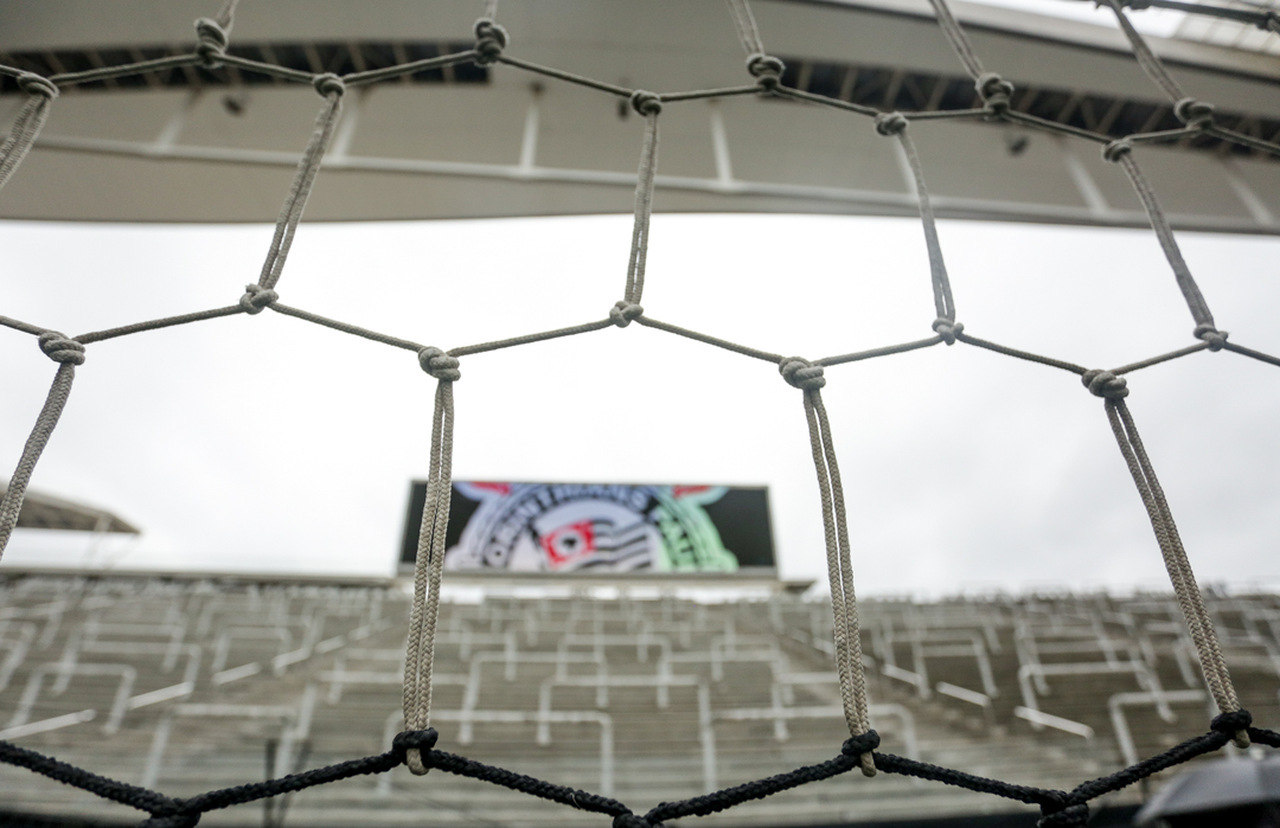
(43, 511)
(221, 145)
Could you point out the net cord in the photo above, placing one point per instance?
(415, 746)
(844, 604)
(27, 125)
(429, 561)
(648, 106)
(1264, 18)
(1147, 59)
(11, 503)
(331, 87)
(1194, 613)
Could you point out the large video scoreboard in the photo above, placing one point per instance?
(599, 527)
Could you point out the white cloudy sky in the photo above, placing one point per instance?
(267, 443)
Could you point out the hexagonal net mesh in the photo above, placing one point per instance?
(416, 745)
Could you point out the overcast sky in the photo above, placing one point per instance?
(266, 443)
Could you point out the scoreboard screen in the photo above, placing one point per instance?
(599, 527)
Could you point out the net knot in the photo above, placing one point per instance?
(1216, 338)
(646, 103)
(1195, 114)
(256, 297)
(1060, 814)
(1271, 20)
(491, 39)
(1105, 384)
(623, 312)
(212, 41)
(860, 744)
(860, 747)
(329, 84)
(766, 69)
(1232, 722)
(34, 84)
(995, 92)
(948, 329)
(801, 373)
(439, 364)
(630, 820)
(60, 348)
(419, 740)
(1117, 149)
(891, 123)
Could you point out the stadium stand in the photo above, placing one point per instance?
(189, 682)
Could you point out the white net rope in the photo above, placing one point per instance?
(415, 747)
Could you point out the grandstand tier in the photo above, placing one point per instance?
(186, 683)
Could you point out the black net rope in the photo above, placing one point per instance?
(416, 746)
(1058, 808)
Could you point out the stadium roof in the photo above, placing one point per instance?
(44, 511)
(468, 141)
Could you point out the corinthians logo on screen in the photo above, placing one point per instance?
(581, 527)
